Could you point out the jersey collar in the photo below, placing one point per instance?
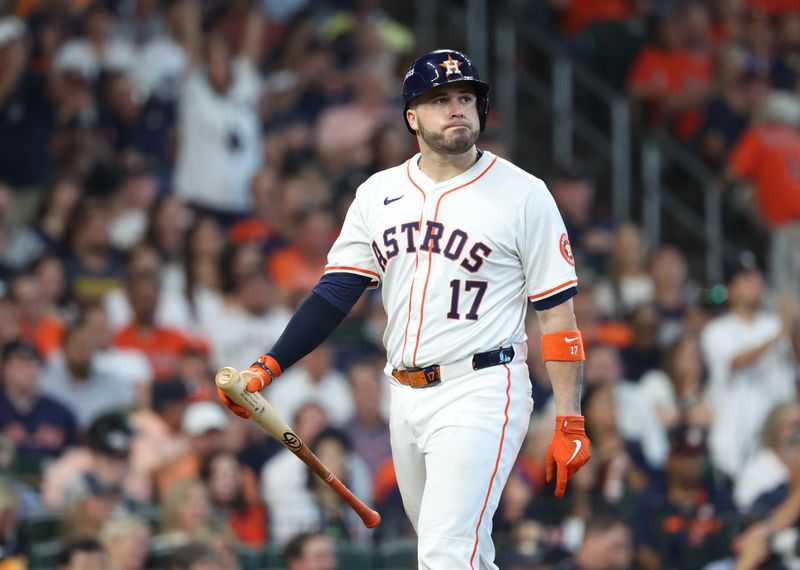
(422, 180)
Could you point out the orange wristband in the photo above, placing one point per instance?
(562, 346)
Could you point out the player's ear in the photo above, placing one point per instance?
(411, 117)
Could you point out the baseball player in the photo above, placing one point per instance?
(460, 241)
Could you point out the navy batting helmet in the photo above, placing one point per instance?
(441, 67)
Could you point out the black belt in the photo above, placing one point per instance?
(431, 375)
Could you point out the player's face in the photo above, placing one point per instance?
(446, 119)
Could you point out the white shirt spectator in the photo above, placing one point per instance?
(295, 388)
(741, 399)
(762, 473)
(244, 335)
(292, 506)
(219, 140)
(88, 399)
(160, 68)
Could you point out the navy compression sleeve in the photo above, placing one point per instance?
(318, 316)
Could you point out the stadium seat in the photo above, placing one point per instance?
(38, 529)
(354, 556)
(397, 555)
(44, 555)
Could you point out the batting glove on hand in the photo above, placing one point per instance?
(568, 451)
(258, 377)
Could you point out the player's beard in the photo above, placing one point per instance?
(457, 142)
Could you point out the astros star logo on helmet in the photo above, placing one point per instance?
(451, 65)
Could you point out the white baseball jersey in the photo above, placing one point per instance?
(457, 259)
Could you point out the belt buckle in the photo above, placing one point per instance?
(425, 377)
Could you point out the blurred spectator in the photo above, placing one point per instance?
(200, 555)
(206, 426)
(644, 353)
(297, 268)
(105, 458)
(331, 513)
(673, 295)
(85, 554)
(89, 502)
(310, 551)
(96, 50)
(126, 542)
(607, 544)
(345, 131)
(74, 379)
(45, 330)
(203, 248)
(26, 115)
(627, 283)
(574, 193)
(672, 78)
(233, 492)
(47, 231)
(93, 266)
(768, 469)
(163, 346)
(681, 525)
(676, 390)
(135, 192)
(283, 479)
(314, 379)
(253, 319)
(129, 366)
(161, 60)
(635, 418)
(40, 428)
(739, 90)
(768, 156)
(367, 430)
(575, 15)
(621, 470)
(145, 264)
(219, 146)
(186, 515)
(750, 364)
(168, 221)
(262, 226)
(594, 327)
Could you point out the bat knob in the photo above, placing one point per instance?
(371, 519)
(226, 375)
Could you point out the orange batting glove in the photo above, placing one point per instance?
(258, 376)
(568, 451)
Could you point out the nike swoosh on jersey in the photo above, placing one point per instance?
(574, 453)
(387, 200)
(567, 339)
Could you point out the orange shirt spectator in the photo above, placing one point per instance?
(661, 75)
(292, 271)
(580, 13)
(163, 347)
(768, 155)
(47, 334)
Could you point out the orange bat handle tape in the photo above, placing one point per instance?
(563, 346)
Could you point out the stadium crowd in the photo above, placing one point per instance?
(172, 174)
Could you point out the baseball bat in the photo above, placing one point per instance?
(233, 383)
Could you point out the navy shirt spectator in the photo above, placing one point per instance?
(40, 427)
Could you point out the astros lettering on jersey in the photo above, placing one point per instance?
(458, 259)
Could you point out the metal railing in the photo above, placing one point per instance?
(569, 125)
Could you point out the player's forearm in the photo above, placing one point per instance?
(566, 376)
(567, 381)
